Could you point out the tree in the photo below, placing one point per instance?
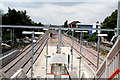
(90, 38)
(110, 22)
(66, 23)
(14, 17)
(97, 22)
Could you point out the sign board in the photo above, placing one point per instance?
(76, 40)
(102, 34)
(79, 57)
(47, 56)
(50, 75)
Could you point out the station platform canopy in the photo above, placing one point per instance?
(59, 59)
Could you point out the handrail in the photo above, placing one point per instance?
(114, 73)
(111, 56)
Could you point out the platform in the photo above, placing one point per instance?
(40, 67)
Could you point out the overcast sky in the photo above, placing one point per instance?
(57, 11)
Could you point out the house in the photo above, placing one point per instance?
(73, 24)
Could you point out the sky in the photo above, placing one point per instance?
(58, 11)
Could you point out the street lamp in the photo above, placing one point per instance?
(72, 50)
(80, 49)
(99, 35)
(59, 41)
(33, 37)
(47, 49)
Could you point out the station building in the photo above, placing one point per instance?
(77, 24)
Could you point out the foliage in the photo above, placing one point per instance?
(6, 37)
(91, 38)
(21, 44)
(110, 22)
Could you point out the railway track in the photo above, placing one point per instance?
(23, 60)
(21, 51)
(89, 55)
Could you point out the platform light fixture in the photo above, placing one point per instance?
(45, 29)
(33, 37)
(82, 31)
(80, 49)
(99, 35)
(46, 48)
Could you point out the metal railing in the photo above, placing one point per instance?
(111, 62)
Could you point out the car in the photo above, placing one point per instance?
(36, 38)
(27, 37)
(34, 41)
(27, 42)
(4, 44)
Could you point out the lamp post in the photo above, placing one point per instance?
(80, 50)
(47, 49)
(33, 37)
(72, 50)
(59, 41)
(99, 35)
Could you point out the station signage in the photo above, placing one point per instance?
(47, 56)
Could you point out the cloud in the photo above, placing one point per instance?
(3, 7)
(59, 0)
(58, 12)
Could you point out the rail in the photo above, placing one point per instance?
(86, 55)
(19, 74)
(111, 62)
